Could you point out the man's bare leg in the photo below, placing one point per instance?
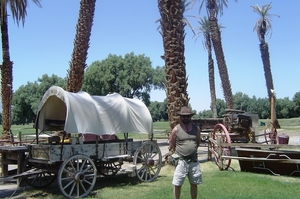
(194, 190)
(177, 190)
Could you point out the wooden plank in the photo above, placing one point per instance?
(116, 156)
(21, 175)
(293, 161)
(237, 144)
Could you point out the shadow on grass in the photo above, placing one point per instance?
(53, 191)
(118, 180)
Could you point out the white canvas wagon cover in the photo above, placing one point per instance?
(84, 113)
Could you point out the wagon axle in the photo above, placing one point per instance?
(79, 177)
(150, 162)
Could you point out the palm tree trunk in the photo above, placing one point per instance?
(172, 31)
(217, 44)
(211, 77)
(265, 56)
(81, 45)
(264, 50)
(6, 83)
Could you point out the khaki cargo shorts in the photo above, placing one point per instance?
(190, 169)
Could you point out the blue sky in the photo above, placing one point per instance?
(44, 45)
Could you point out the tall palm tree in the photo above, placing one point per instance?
(205, 30)
(262, 27)
(172, 31)
(81, 45)
(214, 7)
(18, 11)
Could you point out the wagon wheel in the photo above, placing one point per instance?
(148, 161)
(270, 133)
(220, 135)
(77, 176)
(40, 180)
(108, 168)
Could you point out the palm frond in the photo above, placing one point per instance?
(263, 25)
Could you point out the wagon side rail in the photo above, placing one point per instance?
(219, 145)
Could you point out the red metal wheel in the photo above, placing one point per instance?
(270, 133)
(220, 135)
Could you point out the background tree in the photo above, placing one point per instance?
(131, 76)
(206, 114)
(159, 78)
(27, 98)
(241, 101)
(205, 30)
(296, 100)
(221, 106)
(18, 11)
(81, 45)
(172, 31)
(285, 108)
(262, 27)
(158, 111)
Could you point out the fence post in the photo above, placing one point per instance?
(20, 137)
(209, 147)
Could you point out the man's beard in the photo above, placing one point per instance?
(186, 121)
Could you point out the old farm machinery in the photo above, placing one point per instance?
(235, 128)
(237, 132)
(87, 145)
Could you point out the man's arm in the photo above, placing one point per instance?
(172, 137)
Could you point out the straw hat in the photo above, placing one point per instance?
(185, 111)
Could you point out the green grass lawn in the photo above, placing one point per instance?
(25, 129)
(217, 184)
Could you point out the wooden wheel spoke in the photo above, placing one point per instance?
(220, 135)
(82, 165)
(82, 186)
(70, 183)
(41, 180)
(148, 161)
(87, 169)
(77, 176)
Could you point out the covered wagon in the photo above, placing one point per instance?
(82, 141)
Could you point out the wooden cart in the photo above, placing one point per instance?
(236, 126)
(88, 146)
(237, 133)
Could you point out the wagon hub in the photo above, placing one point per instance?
(150, 162)
(79, 177)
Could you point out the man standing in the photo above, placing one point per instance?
(185, 140)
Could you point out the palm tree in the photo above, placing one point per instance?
(81, 45)
(262, 27)
(18, 11)
(172, 31)
(214, 7)
(205, 30)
